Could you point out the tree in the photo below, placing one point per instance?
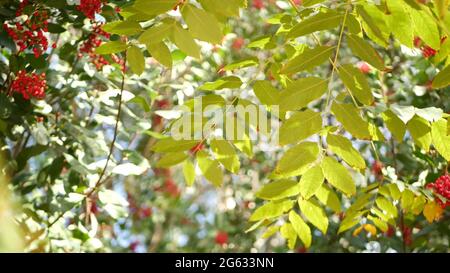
(354, 94)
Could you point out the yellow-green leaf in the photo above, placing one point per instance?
(394, 124)
(307, 60)
(266, 93)
(123, 27)
(202, 25)
(288, 232)
(231, 82)
(311, 181)
(350, 117)
(343, 148)
(329, 198)
(300, 126)
(319, 22)
(111, 47)
(184, 41)
(301, 228)
(357, 83)
(297, 160)
(157, 33)
(171, 159)
(314, 213)
(210, 168)
(441, 140)
(225, 153)
(189, 172)
(154, 7)
(420, 131)
(136, 60)
(168, 145)
(338, 176)
(365, 51)
(300, 93)
(161, 53)
(278, 190)
(271, 210)
(442, 79)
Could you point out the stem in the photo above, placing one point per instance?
(116, 131)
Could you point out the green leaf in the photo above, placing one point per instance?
(111, 47)
(441, 140)
(139, 100)
(266, 93)
(261, 42)
(300, 93)
(225, 153)
(6, 106)
(189, 172)
(301, 228)
(55, 28)
(288, 232)
(136, 60)
(420, 131)
(241, 64)
(328, 198)
(210, 168)
(349, 116)
(387, 207)
(394, 124)
(202, 25)
(300, 126)
(156, 34)
(350, 220)
(374, 23)
(311, 181)
(184, 41)
(278, 190)
(168, 145)
(161, 53)
(271, 210)
(357, 83)
(442, 79)
(231, 9)
(314, 213)
(365, 51)
(343, 148)
(400, 22)
(154, 7)
(231, 82)
(338, 176)
(426, 28)
(307, 60)
(171, 159)
(128, 28)
(297, 160)
(319, 22)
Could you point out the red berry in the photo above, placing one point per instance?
(221, 238)
(390, 231)
(145, 212)
(377, 168)
(364, 68)
(90, 7)
(30, 85)
(441, 187)
(238, 43)
(258, 4)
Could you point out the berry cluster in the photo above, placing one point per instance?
(29, 85)
(442, 187)
(94, 40)
(90, 7)
(29, 33)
